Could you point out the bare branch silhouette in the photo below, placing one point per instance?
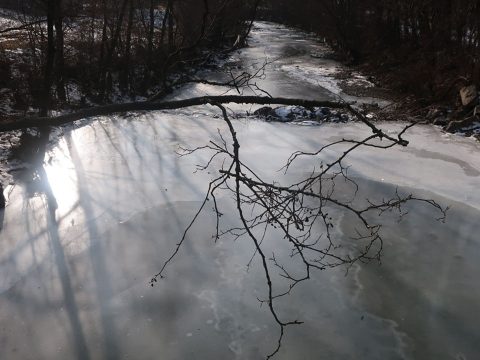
(302, 212)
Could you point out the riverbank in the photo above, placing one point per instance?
(422, 71)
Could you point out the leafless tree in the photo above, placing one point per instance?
(97, 46)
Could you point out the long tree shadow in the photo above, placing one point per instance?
(97, 256)
(33, 150)
(2, 216)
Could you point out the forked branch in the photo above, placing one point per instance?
(299, 214)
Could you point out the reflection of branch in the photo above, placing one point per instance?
(300, 212)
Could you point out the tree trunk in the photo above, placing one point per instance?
(103, 49)
(128, 44)
(170, 27)
(151, 29)
(50, 58)
(59, 57)
(106, 68)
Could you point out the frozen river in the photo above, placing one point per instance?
(85, 230)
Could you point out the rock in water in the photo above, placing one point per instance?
(468, 94)
(476, 111)
(265, 111)
(456, 125)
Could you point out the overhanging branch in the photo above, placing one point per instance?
(28, 122)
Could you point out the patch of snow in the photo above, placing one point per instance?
(7, 141)
(358, 79)
(320, 75)
(73, 91)
(8, 19)
(17, 51)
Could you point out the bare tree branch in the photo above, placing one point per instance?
(301, 212)
(27, 122)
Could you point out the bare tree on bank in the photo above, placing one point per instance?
(50, 57)
(59, 51)
(96, 48)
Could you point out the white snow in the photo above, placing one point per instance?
(315, 75)
(8, 19)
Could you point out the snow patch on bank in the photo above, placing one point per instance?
(8, 140)
(9, 19)
(358, 79)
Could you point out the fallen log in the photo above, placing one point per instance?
(29, 122)
(42, 122)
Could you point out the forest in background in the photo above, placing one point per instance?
(424, 47)
(67, 51)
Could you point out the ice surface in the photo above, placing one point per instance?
(124, 198)
(84, 232)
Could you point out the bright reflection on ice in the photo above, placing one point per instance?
(61, 177)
